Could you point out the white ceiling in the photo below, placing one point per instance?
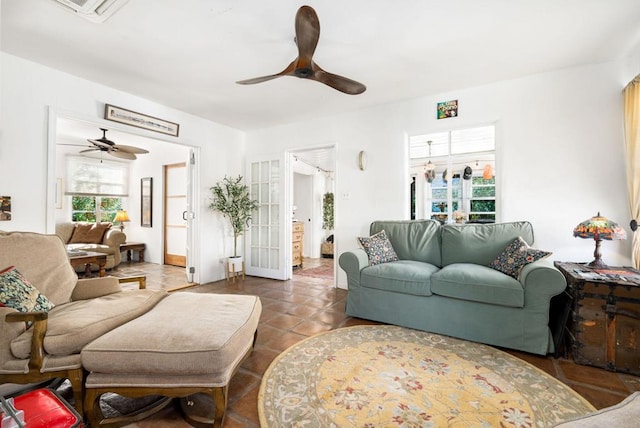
(188, 54)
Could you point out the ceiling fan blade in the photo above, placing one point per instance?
(307, 35)
(73, 145)
(123, 155)
(130, 149)
(286, 72)
(339, 83)
(95, 149)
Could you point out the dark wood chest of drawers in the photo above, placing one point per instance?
(603, 327)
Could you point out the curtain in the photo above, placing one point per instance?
(631, 96)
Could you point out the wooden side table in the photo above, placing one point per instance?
(130, 247)
(86, 258)
(604, 323)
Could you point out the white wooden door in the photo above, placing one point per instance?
(175, 204)
(268, 253)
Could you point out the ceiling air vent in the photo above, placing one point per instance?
(93, 10)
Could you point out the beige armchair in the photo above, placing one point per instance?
(84, 310)
(109, 244)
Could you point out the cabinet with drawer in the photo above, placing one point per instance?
(296, 243)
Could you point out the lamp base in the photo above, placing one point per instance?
(598, 264)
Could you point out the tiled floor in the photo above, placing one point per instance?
(301, 307)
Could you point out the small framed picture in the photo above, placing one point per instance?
(447, 109)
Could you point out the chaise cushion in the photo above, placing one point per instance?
(185, 334)
(477, 283)
(72, 325)
(402, 276)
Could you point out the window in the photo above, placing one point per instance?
(454, 171)
(97, 188)
(90, 208)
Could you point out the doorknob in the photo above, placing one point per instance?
(184, 215)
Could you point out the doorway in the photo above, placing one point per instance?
(312, 191)
(75, 130)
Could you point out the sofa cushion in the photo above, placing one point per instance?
(517, 255)
(71, 326)
(90, 233)
(413, 239)
(402, 276)
(378, 248)
(18, 293)
(469, 281)
(480, 243)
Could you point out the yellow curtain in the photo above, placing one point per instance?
(631, 95)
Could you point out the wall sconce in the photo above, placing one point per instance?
(362, 160)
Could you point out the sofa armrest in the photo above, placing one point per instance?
(113, 238)
(39, 328)
(542, 278)
(352, 262)
(91, 288)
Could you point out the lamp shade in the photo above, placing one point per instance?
(121, 216)
(599, 228)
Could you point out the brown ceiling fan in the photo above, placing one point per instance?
(307, 35)
(103, 144)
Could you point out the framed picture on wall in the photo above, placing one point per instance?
(146, 201)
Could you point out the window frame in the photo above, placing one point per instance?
(443, 157)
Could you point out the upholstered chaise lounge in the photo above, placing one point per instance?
(134, 342)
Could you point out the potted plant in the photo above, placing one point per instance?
(231, 198)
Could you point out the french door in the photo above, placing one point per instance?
(268, 254)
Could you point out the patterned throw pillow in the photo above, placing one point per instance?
(18, 293)
(516, 256)
(378, 248)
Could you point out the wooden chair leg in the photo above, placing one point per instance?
(92, 407)
(220, 396)
(76, 377)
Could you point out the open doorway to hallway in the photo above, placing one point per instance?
(312, 196)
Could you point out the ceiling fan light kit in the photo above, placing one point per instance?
(307, 34)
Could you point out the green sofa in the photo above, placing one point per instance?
(442, 284)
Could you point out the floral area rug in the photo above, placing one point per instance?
(324, 272)
(388, 376)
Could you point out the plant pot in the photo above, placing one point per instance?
(235, 264)
(235, 267)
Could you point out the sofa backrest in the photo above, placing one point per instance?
(65, 230)
(417, 240)
(481, 243)
(42, 260)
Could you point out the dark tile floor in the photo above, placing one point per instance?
(303, 306)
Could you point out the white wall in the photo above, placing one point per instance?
(560, 154)
(29, 90)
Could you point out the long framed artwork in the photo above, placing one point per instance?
(146, 202)
(129, 117)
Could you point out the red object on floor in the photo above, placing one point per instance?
(43, 408)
